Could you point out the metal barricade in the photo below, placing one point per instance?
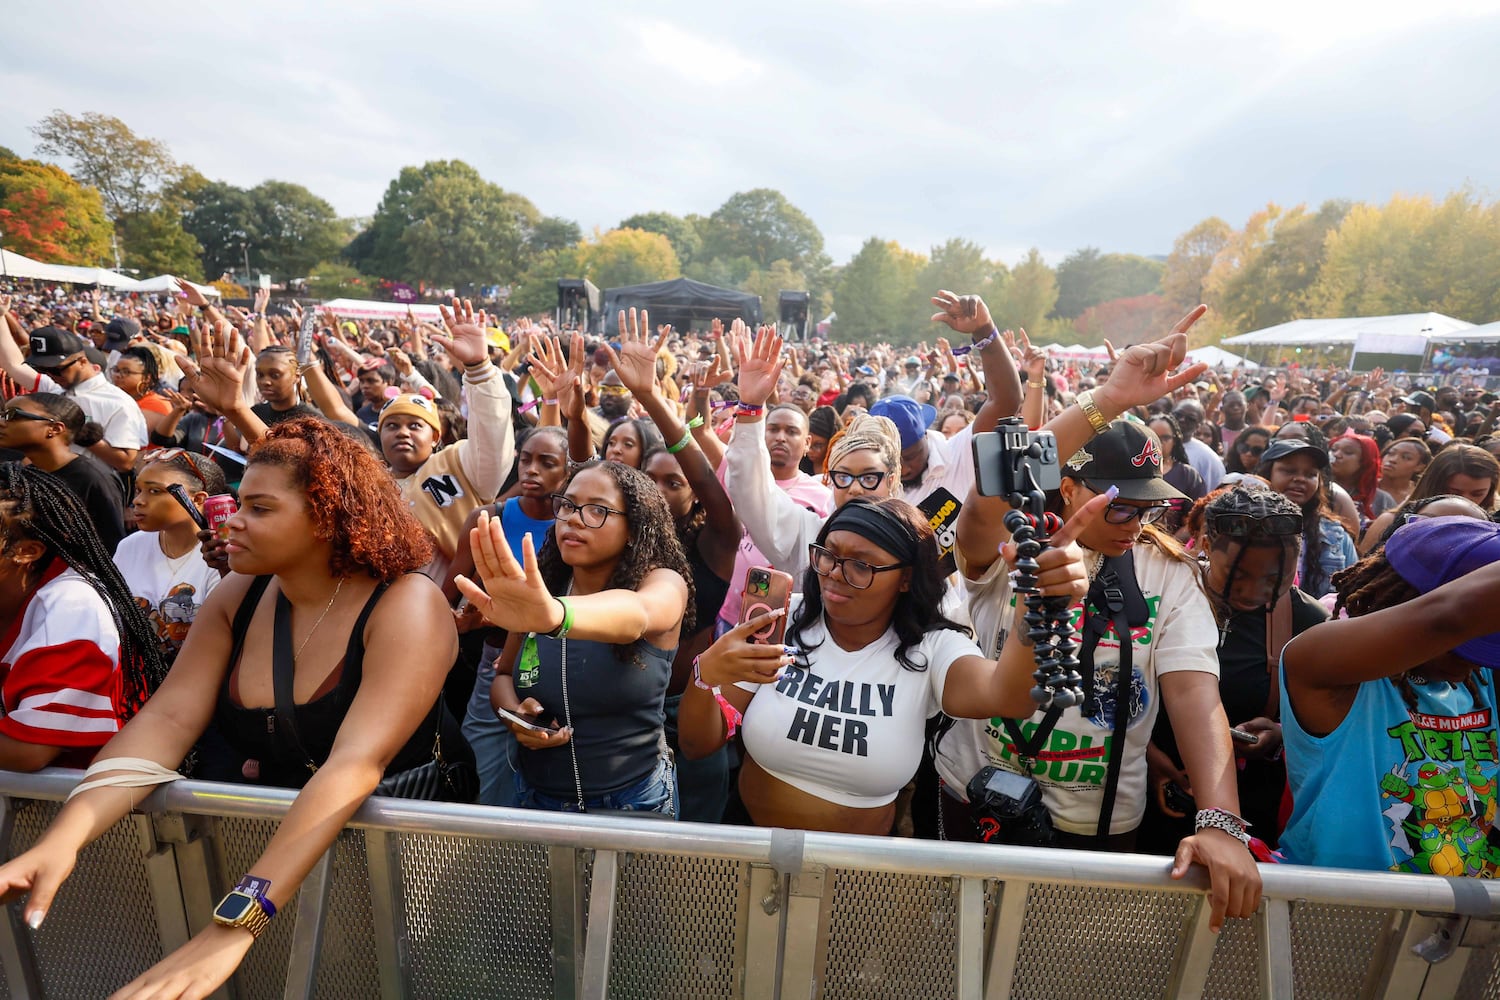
(429, 900)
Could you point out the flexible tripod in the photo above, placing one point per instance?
(1048, 623)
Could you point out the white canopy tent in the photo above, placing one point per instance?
(169, 283)
(1318, 332)
(14, 265)
(1489, 331)
(1217, 357)
(374, 309)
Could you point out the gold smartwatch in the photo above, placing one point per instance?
(246, 906)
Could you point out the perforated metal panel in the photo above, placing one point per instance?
(477, 918)
(103, 911)
(263, 972)
(1482, 976)
(1082, 941)
(348, 968)
(1332, 947)
(1235, 973)
(891, 936)
(676, 928)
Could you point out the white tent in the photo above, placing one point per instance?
(374, 309)
(1489, 331)
(14, 265)
(169, 283)
(1306, 332)
(1217, 357)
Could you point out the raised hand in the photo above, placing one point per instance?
(570, 385)
(191, 295)
(465, 341)
(223, 361)
(635, 362)
(1142, 373)
(261, 300)
(399, 361)
(514, 596)
(962, 314)
(1032, 358)
(760, 363)
(179, 403)
(547, 363)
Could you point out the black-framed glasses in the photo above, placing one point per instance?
(1240, 525)
(594, 514)
(10, 413)
(868, 480)
(1123, 513)
(856, 572)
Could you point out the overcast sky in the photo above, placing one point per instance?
(1015, 123)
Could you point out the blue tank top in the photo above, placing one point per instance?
(515, 523)
(1395, 788)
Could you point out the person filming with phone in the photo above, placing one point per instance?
(594, 621)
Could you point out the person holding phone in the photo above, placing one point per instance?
(594, 622)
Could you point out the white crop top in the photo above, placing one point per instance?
(849, 729)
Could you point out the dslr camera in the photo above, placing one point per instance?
(1008, 809)
(1012, 461)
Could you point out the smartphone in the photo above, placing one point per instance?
(180, 494)
(541, 724)
(1178, 800)
(766, 590)
(1241, 736)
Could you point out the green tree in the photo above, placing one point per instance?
(770, 283)
(764, 226)
(1192, 257)
(48, 215)
(129, 171)
(331, 279)
(681, 233)
(223, 219)
(295, 229)
(1086, 278)
(959, 266)
(627, 257)
(873, 294)
(1030, 295)
(554, 233)
(1266, 275)
(536, 293)
(155, 243)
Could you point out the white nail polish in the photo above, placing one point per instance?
(34, 919)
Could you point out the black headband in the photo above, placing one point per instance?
(873, 522)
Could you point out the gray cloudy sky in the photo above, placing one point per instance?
(1054, 123)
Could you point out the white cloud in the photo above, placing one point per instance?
(697, 58)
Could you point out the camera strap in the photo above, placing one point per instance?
(1108, 582)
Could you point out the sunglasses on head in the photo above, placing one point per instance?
(1240, 525)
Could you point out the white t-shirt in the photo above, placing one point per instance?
(107, 405)
(850, 728)
(169, 591)
(1071, 769)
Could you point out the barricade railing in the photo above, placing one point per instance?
(429, 900)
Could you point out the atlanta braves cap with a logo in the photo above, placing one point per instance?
(1127, 456)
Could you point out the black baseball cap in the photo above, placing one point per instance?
(1421, 400)
(1127, 456)
(120, 332)
(52, 345)
(1290, 446)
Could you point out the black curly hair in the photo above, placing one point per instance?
(40, 507)
(651, 544)
(645, 432)
(690, 527)
(916, 612)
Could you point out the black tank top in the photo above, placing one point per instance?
(709, 592)
(252, 732)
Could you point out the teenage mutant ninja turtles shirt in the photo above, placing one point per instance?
(1397, 787)
(1071, 767)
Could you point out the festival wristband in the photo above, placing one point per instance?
(695, 423)
(566, 625)
(980, 345)
(257, 887)
(687, 439)
(752, 409)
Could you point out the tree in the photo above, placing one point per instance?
(295, 229)
(764, 226)
(155, 243)
(443, 222)
(48, 215)
(627, 257)
(331, 279)
(222, 218)
(1086, 278)
(554, 233)
(1030, 295)
(129, 171)
(681, 233)
(1266, 273)
(1191, 258)
(957, 265)
(770, 283)
(536, 292)
(873, 293)
(1124, 321)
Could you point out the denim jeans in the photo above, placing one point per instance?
(704, 782)
(655, 793)
(493, 743)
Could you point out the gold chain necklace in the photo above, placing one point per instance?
(308, 637)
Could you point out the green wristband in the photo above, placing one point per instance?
(567, 622)
(695, 423)
(687, 439)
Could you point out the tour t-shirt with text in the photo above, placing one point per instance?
(1180, 634)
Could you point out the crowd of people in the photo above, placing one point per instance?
(714, 576)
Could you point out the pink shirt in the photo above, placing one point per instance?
(808, 491)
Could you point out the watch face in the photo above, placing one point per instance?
(234, 906)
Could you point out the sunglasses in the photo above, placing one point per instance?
(868, 480)
(16, 413)
(614, 390)
(1123, 513)
(1238, 525)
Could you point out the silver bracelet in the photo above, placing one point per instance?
(1222, 819)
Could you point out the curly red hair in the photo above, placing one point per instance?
(351, 497)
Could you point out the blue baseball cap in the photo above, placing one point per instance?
(910, 417)
(1432, 551)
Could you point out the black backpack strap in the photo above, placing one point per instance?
(240, 626)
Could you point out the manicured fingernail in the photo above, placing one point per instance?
(791, 650)
(1112, 492)
(34, 919)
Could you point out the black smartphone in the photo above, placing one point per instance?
(1013, 459)
(1179, 801)
(180, 494)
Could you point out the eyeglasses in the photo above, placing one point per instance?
(67, 364)
(11, 413)
(169, 454)
(117, 371)
(594, 514)
(1124, 513)
(868, 480)
(1238, 525)
(856, 572)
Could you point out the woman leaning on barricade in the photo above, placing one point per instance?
(324, 593)
(1171, 630)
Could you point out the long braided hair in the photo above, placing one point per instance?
(40, 507)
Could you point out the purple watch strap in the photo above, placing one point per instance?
(258, 887)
